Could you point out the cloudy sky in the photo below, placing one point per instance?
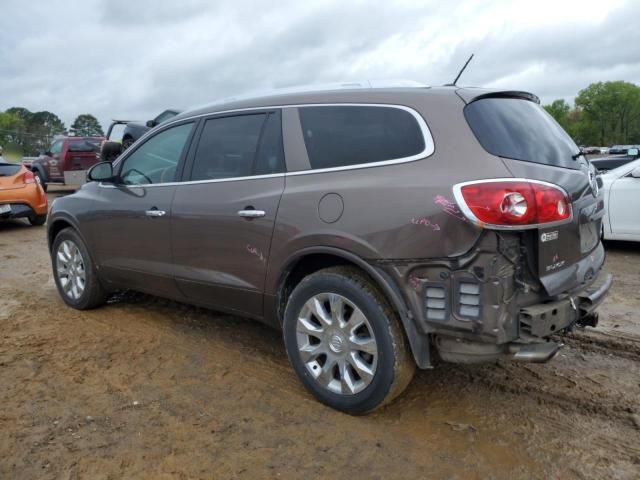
(134, 58)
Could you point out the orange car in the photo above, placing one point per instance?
(21, 195)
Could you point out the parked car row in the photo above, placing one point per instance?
(605, 164)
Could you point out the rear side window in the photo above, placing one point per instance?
(339, 136)
(521, 130)
(83, 146)
(239, 146)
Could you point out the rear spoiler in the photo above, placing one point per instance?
(469, 95)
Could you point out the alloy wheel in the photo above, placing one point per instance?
(70, 269)
(336, 343)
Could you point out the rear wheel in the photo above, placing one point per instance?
(37, 220)
(74, 272)
(344, 341)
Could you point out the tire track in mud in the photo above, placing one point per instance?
(605, 343)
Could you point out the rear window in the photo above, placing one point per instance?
(521, 130)
(338, 136)
(8, 170)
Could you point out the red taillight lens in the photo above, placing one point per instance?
(29, 177)
(513, 202)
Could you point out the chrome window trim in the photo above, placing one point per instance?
(429, 146)
(457, 193)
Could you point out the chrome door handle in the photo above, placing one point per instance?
(251, 213)
(155, 213)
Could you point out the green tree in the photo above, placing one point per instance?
(42, 128)
(11, 131)
(611, 112)
(87, 125)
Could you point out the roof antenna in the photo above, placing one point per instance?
(463, 69)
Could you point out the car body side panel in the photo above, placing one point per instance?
(401, 211)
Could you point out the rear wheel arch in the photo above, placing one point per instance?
(313, 259)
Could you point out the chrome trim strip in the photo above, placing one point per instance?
(429, 146)
(457, 193)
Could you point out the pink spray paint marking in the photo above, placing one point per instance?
(449, 207)
(414, 281)
(254, 251)
(426, 222)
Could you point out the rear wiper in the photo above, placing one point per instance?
(575, 156)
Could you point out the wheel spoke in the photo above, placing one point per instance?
(347, 381)
(309, 328)
(326, 375)
(317, 308)
(309, 352)
(356, 320)
(361, 367)
(337, 309)
(367, 345)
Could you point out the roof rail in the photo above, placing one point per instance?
(364, 84)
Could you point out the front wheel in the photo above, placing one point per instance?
(74, 272)
(344, 341)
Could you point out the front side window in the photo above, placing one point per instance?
(156, 160)
(338, 136)
(239, 146)
(56, 148)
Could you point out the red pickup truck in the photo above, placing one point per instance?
(67, 160)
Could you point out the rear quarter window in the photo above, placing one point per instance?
(339, 136)
(521, 130)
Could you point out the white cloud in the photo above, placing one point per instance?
(117, 58)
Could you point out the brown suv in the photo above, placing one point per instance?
(376, 227)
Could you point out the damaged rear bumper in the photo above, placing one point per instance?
(545, 319)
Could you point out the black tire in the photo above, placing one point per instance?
(110, 151)
(38, 220)
(127, 142)
(41, 179)
(93, 294)
(395, 364)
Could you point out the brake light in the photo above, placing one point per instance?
(29, 177)
(511, 203)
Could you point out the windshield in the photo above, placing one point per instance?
(521, 130)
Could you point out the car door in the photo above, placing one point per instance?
(624, 197)
(131, 222)
(223, 215)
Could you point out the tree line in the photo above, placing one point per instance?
(31, 133)
(603, 114)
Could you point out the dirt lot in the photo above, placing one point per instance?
(147, 388)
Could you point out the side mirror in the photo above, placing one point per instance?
(151, 123)
(101, 172)
(632, 152)
(635, 173)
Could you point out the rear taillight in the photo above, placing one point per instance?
(513, 203)
(29, 177)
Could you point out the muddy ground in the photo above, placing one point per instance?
(147, 388)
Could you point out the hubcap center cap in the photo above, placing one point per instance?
(336, 343)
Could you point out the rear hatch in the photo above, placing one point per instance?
(9, 178)
(82, 153)
(533, 146)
